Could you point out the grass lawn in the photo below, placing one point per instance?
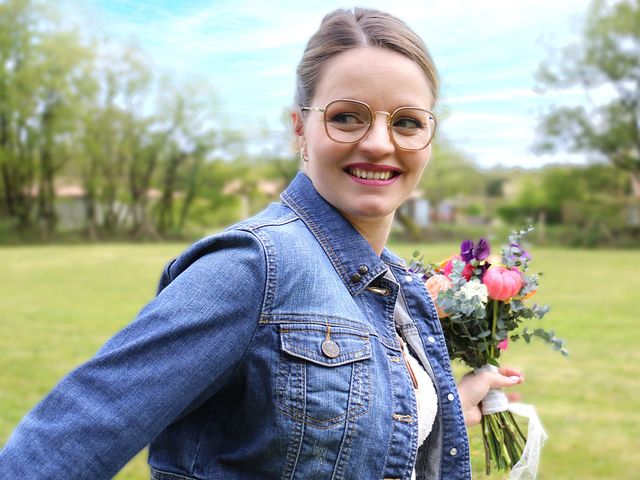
(60, 303)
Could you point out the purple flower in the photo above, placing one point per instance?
(517, 254)
(466, 250)
(482, 250)
(469, 251)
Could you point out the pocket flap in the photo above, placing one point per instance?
(305, 341)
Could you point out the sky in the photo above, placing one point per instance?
(486, 52)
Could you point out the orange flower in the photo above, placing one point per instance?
(529, 295)
(446, 261)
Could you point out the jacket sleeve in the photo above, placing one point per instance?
(184, 344)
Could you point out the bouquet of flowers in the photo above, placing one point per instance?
(482, 300)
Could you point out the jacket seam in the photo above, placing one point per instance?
(251, 227)
(177, 476)
(240, 361)
(331, 254)
(313, 319)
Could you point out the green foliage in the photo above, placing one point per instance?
(96, 115)
(589, 204)
(44, 80)
(450, 173)
(548, 336)
(607, 56)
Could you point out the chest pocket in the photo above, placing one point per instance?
(323, 387)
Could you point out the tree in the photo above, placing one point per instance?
(192, 108)
(450, 173)
(44, 78)
(608, 55)
(64, 85)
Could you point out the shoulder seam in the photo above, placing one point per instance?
(273, 223)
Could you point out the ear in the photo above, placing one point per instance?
(298, 126)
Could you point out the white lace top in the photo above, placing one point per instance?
(426, 398)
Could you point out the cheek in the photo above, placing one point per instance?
(423, 160)
(327, 153)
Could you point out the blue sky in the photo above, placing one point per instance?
(486, 52)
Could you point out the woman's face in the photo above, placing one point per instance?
(385, 80)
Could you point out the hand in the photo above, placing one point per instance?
(474, 387)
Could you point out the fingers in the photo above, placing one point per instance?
(472, 416)
(474, 387)
(499, 380)
(511, 372)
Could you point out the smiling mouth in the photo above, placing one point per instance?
(372, 174)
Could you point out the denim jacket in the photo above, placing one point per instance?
(269, 352)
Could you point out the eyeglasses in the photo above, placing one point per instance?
(349, 121)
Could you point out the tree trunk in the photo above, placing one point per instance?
(46, 195)
(542, 222)
(191, 192)
(635, 184)
(90, 202)
(46, 192)
(165, 206)
(409, 226)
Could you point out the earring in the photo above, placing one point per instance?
(303, 156)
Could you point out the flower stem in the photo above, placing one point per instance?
(487, 454)
(493, 328)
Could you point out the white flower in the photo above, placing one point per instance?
(474, 290)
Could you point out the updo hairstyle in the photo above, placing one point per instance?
(343, 30)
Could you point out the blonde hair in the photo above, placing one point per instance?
(342, 30)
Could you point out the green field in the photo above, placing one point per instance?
(58, 304)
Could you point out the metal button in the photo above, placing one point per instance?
(431, 339)
(330, 348)
(409, 278)
(379, 291)
(403, 418)
(356, 277)
(363, 269)
(453, 452)
(450, 397)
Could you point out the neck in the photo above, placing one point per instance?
(374, 230)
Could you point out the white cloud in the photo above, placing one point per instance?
(487, 53)
(497, 96)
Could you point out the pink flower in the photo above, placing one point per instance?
(467, 272)
(502, 283)
(503, 344)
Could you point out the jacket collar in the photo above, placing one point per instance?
(351, 255)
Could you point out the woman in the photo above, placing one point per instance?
(292, 345)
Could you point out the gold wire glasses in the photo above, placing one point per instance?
(349, 121)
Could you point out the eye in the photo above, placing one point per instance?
(347, 118)
(408, 123)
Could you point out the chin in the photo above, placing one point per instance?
(370, 211)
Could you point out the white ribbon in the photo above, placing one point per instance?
(496, 401)
(527, 466)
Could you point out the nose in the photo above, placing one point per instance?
(378, 141)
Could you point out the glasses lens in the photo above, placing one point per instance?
(412, 128)
(347, 121)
